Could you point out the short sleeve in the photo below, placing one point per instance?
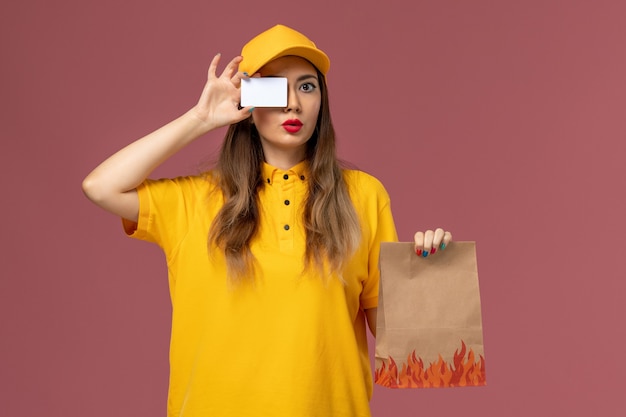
(165, 210)
(382, 229)
(385, 232)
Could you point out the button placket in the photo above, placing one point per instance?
(286, 208)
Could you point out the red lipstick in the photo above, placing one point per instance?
(292, 125)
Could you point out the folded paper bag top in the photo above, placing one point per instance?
(429, 327)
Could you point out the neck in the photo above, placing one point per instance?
(283, 159)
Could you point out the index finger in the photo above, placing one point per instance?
(232, 67)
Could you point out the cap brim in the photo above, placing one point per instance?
(316, 57)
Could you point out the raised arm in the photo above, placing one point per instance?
(113, 184)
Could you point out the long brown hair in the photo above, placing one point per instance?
(331, 223)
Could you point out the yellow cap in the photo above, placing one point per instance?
(277, 42)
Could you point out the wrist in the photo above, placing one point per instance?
(199, 121)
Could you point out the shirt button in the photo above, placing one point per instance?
(286, 202)
(286, 227)
(286, 177)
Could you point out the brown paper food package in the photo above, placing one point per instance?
(429, 327)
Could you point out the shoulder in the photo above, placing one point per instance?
(365, 188)
(184, 188)
(204, 181)
(363, 182)
(373, 206)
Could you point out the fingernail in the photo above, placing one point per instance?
(252, 108)
(418, 252)
(433, 250)
(425, 253)
(245, 73)
(442, 246)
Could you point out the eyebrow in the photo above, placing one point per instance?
(307, 76)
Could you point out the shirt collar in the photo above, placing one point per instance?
(270, 173)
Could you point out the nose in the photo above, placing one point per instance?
(293, 102)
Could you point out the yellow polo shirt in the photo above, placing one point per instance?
(293, 344)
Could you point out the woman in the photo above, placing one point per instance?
(273, 255)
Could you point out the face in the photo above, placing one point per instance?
(285, 131)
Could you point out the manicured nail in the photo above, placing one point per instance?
(252, 108)
(418, 252)
(442, 246)
(433, 250)
(245, 73)
(425, 253)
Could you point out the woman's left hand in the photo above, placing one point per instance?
(429, 242)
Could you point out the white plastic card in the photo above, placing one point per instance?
(264, 92)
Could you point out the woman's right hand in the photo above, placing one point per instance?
(113, 184)
(219, 102)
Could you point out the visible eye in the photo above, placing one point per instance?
(308, 87)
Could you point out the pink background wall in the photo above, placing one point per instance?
(503, 121)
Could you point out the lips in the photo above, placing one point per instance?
(292, 125)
